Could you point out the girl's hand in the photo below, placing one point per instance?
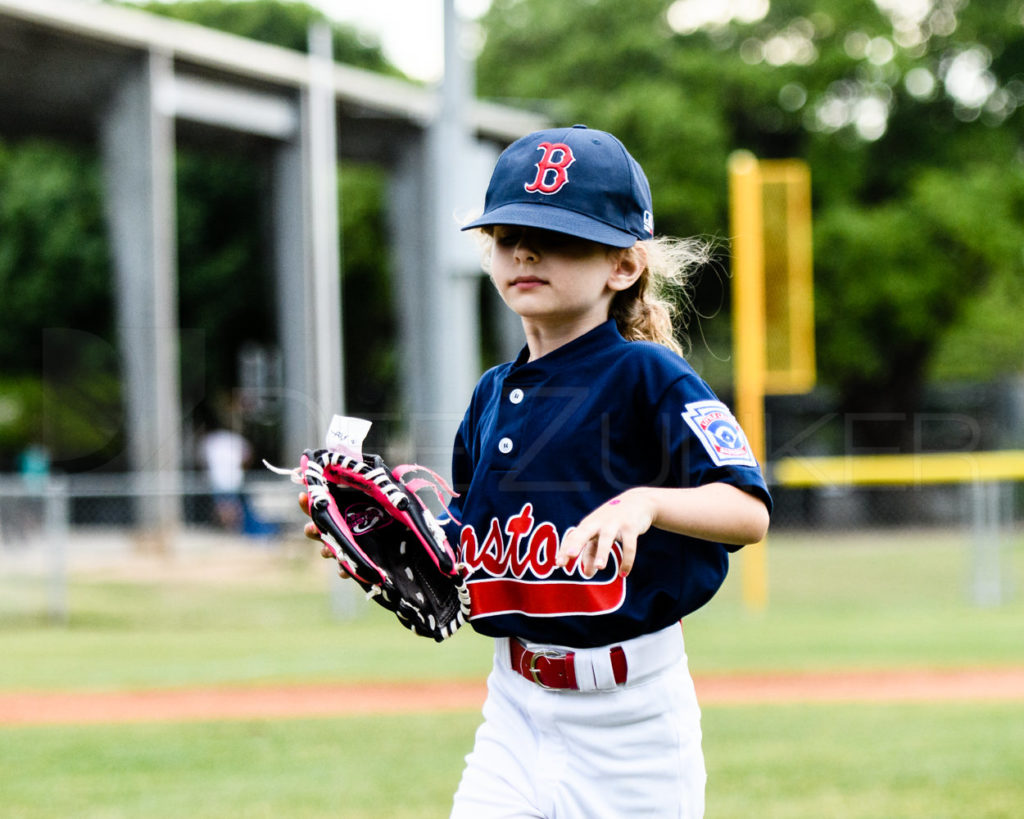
(313, 533)
(621, 520)
(718, 512)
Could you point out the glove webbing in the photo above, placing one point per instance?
(377, 476)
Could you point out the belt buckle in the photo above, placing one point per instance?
(547, 653)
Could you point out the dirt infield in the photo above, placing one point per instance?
(977, 685)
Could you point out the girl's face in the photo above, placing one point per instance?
(552, 278)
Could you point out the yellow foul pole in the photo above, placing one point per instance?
(749, 337)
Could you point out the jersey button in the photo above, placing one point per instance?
(516, 396)
(505, 446)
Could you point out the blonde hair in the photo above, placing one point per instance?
(650, 308)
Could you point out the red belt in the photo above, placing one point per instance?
(551, 669)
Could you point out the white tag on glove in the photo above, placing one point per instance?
(346, 435)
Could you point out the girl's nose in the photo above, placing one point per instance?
(525, 251)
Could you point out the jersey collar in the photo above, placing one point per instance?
(571, 354)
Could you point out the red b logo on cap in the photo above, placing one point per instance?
(552, 168)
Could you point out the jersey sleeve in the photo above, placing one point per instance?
(706, 443)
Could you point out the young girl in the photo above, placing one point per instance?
(603, 486)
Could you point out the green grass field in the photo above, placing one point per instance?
(889, 600)
(782, 762)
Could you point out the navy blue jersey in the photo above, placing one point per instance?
(546, 442)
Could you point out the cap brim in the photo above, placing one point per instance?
(549, 217)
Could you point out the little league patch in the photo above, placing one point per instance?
(717, 429)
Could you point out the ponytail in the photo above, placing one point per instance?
(648, 310)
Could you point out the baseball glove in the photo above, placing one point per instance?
(385, 537)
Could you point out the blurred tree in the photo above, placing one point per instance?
(225, 286)
(55, 275)
(908, 114)
(54, 265)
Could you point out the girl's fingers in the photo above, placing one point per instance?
(628, 545)
(602, 549)
(570, 547)
(327, 554)
(310, 531)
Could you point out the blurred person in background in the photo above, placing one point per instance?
(225, 454)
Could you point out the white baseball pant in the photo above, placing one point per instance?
(627, 751)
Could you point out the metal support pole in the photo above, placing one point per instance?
(307, 259)
(988, 504)
(322, 179)
(137, 137)
(449, 294)
(294, 302)
(56, 533)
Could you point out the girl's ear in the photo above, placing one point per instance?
(630, 264)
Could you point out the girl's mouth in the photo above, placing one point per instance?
(527, 282)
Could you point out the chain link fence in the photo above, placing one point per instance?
(50, 527)
(828, 508)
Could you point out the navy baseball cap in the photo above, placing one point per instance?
(570, 180)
